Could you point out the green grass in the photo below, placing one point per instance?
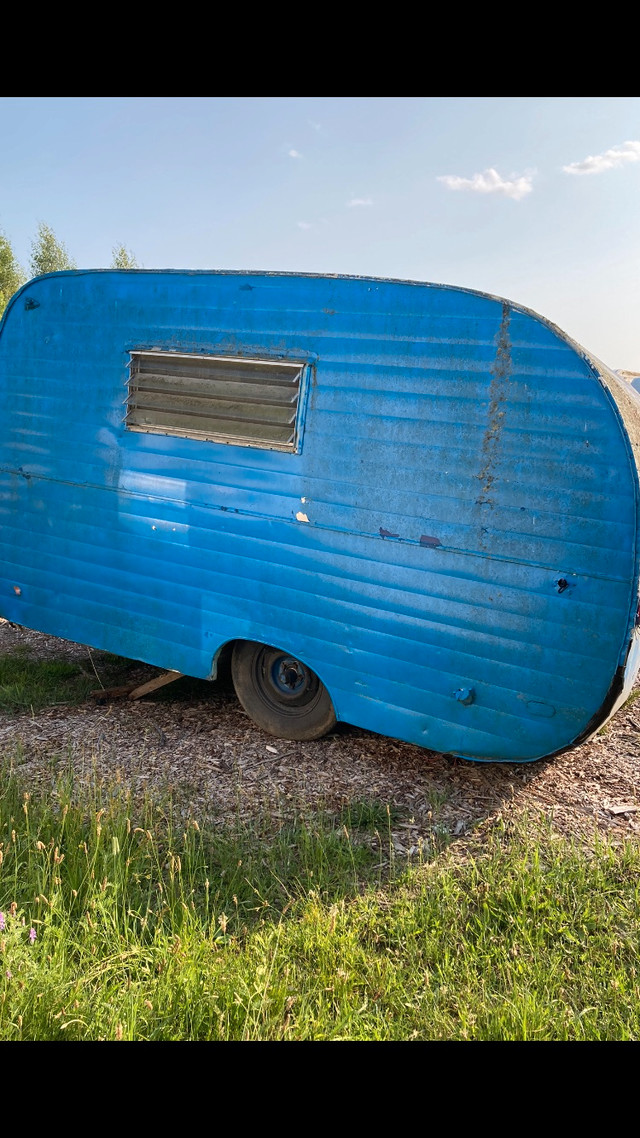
(150, 926)
(27, 684)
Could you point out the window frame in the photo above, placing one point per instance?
(292, 446)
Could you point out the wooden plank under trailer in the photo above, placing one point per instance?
(126, 691)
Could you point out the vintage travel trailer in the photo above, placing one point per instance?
(407, 506)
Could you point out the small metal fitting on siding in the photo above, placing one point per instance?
(465, 695)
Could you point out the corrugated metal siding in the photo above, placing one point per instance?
(459, 460)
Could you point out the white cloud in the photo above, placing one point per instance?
(317, 126)
(597, 163)
(295, 154)
(304, 224)
(490, 182)
(360, 201)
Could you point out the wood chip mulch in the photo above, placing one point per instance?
(194, 739)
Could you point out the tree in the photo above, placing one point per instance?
(48, 255)
(11, 273)
(123, 258)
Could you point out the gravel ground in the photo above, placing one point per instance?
(195, 738)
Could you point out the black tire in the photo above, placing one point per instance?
(280, 693)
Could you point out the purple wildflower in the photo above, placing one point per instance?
(32, 935)
(2, 923)
(9, 975)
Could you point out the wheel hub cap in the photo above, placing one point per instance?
(290, 676)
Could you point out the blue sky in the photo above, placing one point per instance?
(534, 199)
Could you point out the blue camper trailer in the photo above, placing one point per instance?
(410, 507)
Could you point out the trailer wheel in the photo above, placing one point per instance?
(281, 694)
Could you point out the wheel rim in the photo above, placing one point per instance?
(284, 681)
